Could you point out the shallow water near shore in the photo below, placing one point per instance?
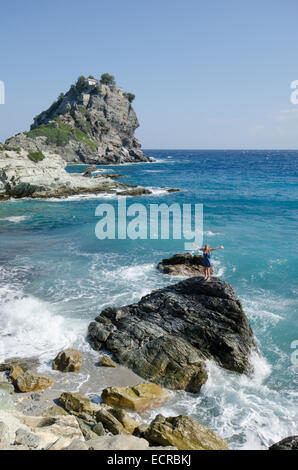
(56, 276)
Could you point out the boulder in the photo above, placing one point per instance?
(15, 372)
(140, 398)
(32, 381)
(99, 429)
(125, 419)
(288, 443)
(184, 433)
(183, 264)
(68, 360)
(106, 361)
(119, 442)
(76, 404)
(105, 416)
(167, 336)
(54, 411)
(87, 429)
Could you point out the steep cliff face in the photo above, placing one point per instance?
(91, 123)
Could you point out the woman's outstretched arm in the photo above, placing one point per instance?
(197, 247)
(217, 248)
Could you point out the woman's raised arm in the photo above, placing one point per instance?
(217, 248)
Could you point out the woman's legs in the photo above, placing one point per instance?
(206, 273)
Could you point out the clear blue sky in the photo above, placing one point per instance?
(206, 74)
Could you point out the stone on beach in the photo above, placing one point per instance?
(106, 361)
(32, 381)
(184, 433)
(68, 360)
(77, 404)
(139, 398)
(109, 421)
(15, 372)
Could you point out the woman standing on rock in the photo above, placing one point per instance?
(207, 258)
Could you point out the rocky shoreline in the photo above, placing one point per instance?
(157, 345)
(23, 176)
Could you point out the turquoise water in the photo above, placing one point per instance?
(55, 275)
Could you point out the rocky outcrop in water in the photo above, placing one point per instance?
(94, 122)
(167, 336)
(183, 264)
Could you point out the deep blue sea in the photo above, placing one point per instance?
(56, 276)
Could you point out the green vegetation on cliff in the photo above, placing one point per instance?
(58, 133)
(36, 156)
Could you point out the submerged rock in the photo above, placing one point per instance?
(183, 264)
(134, 192)
(184, 433)
(140, 398)
(168, 334)
(288, 443)
(68, 360)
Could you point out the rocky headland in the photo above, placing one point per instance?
(93, 122)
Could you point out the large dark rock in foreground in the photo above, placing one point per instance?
(167, 336)
(183, 264)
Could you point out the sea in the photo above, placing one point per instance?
(56, 275)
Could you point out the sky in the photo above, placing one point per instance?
(206, 74)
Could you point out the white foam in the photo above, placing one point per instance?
(15, 219)
(30, 327)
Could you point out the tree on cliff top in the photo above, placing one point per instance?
(107, 79)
